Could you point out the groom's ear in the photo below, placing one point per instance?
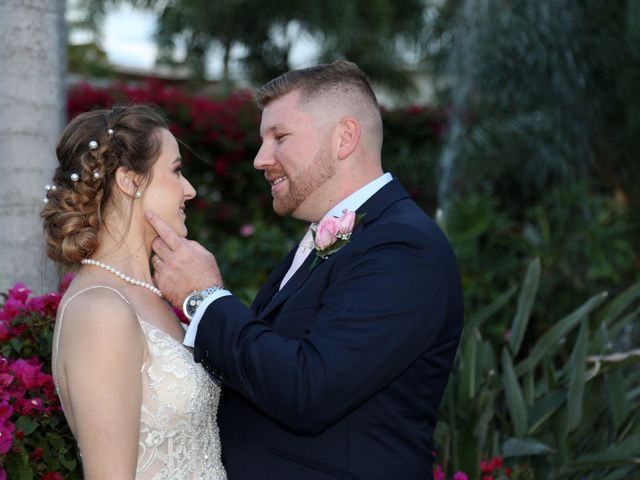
(348, 136)
(127, 181)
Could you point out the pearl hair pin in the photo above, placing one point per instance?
(74, 177)
(126, 278)
(110, 131)
(93, 145)
(48, 188)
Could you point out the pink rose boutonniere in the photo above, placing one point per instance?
(332, 234)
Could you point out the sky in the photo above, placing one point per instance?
(128, 40)
(127, 37)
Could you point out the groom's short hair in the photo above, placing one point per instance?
(331, 82)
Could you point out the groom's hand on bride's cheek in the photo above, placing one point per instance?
(180, 265)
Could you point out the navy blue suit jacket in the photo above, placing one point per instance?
(340, 374)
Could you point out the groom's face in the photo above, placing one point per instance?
(295, 156)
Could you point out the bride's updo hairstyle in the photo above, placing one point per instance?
(92, 147)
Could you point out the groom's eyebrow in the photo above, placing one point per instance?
(177, 160)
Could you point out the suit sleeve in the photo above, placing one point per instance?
(384, 306)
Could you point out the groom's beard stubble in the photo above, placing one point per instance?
(305, 183)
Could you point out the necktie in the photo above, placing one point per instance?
(304, 247)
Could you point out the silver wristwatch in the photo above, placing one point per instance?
(195, 298)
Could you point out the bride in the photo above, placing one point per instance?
(137, 403)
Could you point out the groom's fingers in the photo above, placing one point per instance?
(161, 249)
(165, 232)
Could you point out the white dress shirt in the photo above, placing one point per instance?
(351, 203)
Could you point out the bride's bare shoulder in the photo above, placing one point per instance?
(96, 312)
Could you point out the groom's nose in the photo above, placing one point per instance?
(264, 159)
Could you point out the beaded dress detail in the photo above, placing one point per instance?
(179, 436)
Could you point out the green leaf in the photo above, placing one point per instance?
(477, 319)
(544, 408)
(520, 447)
(577, 367)
(16, 343)
(68, 463)
(17, 467)
(548, 342)
(513, 393)
(27, 424)
(525, 304)
(620, 303)
(615, 391)
(468, 369)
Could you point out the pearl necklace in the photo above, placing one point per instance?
(126, 278)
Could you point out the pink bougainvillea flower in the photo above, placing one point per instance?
(29, 373)
(11, 309)
(485, 467)
(65, 281)
(26, 406)
(19, 292)
(460, 476)
(438, 474)
(45, 305)
(247, 230)
(6, 436)
(5, 411)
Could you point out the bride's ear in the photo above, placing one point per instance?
(127, 182)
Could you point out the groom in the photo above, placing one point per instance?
(339, 366)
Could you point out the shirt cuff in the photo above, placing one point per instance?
(190, 336)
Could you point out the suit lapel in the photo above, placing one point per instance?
(269, 298)
(270, 287)
(291, 286)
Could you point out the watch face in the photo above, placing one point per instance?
(191, 304)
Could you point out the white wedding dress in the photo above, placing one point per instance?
(179, 436)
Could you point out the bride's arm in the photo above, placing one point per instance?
(103, 355)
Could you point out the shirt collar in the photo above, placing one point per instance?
(357, 198)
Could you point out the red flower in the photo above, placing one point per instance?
(52, 476)
(485, 467)
(180, 314)
(37, 453)
(496, 463)
(4, 330)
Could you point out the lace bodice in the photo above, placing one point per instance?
(179, 436)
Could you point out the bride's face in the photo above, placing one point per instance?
(168, 190)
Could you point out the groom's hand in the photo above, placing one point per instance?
(181, 266)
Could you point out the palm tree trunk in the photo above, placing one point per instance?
(32, 111)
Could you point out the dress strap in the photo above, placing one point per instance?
(58, 329)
